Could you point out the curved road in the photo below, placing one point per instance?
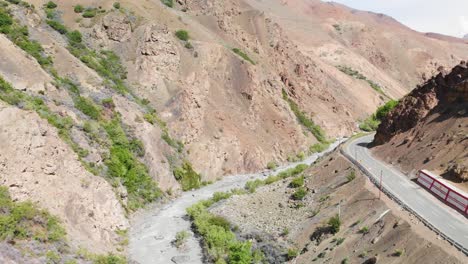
(447, 220)
(152, 233)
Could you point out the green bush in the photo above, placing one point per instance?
(220, 241)
(351, 176)
(399, 252)
(364, 230)
(78, 9)
(15, 2)
(316, 130)
(272, 165)
(57, 26)
(182, 35)
(75, 36)
(168, 3)
(292, 253)
(50, 5)
(181, 238)
(5, 19)
(243, 55)
(87, 107)
(372, 122)
(20, 221)
(334, 223)
(89, 12)
(188, 45)
(299, 194)
(187, 177)
(122, 164)
(297, 182)
(116, 5)
(319, 147)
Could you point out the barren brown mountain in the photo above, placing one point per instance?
(428, 129)
(108, 107)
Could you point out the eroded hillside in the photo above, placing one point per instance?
(428, 128)
(109, 107)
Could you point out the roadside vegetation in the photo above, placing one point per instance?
(187, 177)
(251, 186)
(373, 122)
(219, 240)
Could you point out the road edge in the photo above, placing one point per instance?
(389, 194)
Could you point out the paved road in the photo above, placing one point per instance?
(447, 220)
(152, 232)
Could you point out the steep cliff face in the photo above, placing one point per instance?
(428, 128)
(446, 90)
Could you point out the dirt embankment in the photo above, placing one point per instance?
(371, 229)
(428, 129)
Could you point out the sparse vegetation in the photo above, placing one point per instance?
(372, 122)
(272, 165)
(51, 5)
(243, 55)
(187, 177)
(334, 224)
(122, 164)
(181, 238)
(356, 74)
(221, 243)
(364, 230)
(316, 130)
(59, 27)
(116, 5)
(182, 35)
(87, 107)
(251, 186)
(89, 12)
(299, 194)
(292, 253)
(297, 182)
(351, 176)
(22, 220)
(345, 261)
(319, 147)
(399, 252)
(168, 3)
(19, 35)
(78, 9)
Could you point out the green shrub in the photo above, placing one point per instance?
(364, 230)
(297, 182)
(168, 3)
(78, 9)
(5, 19)
(22, 220)
(351, 176)
(87, 107)
(316, 130)
(181, 238)
(50, 5)
(133, 174)
(219, 240)
(292, 253)
(345, 261)
(369, 124)
(399, 252)
(340, 241)
(243, 55)
(188, 45)
(182, 35)
(116, 5)
(299, 194)
(272, 165)
(218, 196)
(334, 224)
(137, 147)
(15, 2)
(89, 12)
(57, 26)
(252, 186)
(373, 121)
(75, 36)
(187, 177)
(319, 147)
(109, 259)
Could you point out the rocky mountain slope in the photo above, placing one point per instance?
(300, 229)
(106, 106)
(428, 128)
